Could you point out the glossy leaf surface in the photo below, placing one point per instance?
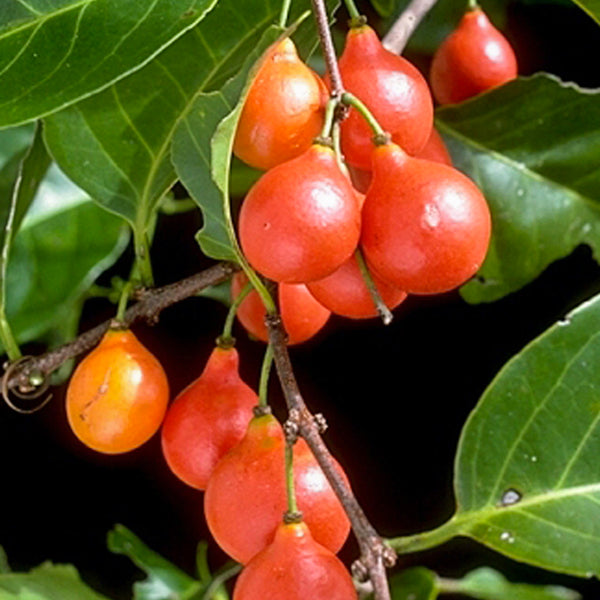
(527, 479)
(537, 162)
(55, 52)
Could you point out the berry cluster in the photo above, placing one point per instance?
(338, 228)
(421, 226)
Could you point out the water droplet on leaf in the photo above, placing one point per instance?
(510, 497)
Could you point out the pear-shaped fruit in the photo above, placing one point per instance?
(301, 220)
(118, 394)
(294, 567)
(246, 494)
(426, 226)
(474, 58)
(392, 89)
(283, 112)
(207, 419)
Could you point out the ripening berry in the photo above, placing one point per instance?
(207, 419)
(294, 567)
(283, 112)
(426, 226)
(474, 58)
(391, 88)
(246, 494)
(301, 220)
(118, 394)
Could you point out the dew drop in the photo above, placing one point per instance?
(510, 497)
(534, 459)
(564, 322)
(520, 192)
(506, 536)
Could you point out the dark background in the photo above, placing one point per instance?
(395, 397)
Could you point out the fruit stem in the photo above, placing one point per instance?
(337, 147)
(285, 13)
(263, 386)
(292, 507)
(326, 41)
(382, 309)
(329, 120)
(352, 10)
(351, 100)
(123, 299)
(226, 339)
(142, 256)
(473, 5)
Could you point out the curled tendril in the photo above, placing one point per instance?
(34, 392)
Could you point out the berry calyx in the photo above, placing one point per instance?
(426, 226)
(301, 220)
(246, 494)
(207, 419)
(302, 315)
(118, 394)
(294, 567)
(392, 89)
(345, 292)
(283, 111)
(474, 58)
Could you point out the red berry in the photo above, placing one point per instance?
(246, 495)
(474, 58)
(207, 419)
(426, 226)
(118, 395)
(393, 90)
(345, 293)
(302, 316)
(436, 150)
(283, 111)
(294, 567)
(301, 220)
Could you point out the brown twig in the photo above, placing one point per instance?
(397, 37)
(320, 12)
(375, 555)
(151, 304)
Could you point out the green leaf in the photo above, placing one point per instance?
(165, 581)
(533, 147)
(116, 145)
(55, 52)
(591, 7)
(385, 7)
(46, 582)
(417, 583)
(487, 584)
(32, 170)
(64, 243)
(526, 474)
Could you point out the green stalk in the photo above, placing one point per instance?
(382, 309)
(292, 507)
(263, 386)
(123, 299)
(226, 338)
(473, 5)
(351, 100)
(427, 539)
(142, 256)
(352, 10)
(329, 118)
(285, 13)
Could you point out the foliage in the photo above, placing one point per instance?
(106, 105)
